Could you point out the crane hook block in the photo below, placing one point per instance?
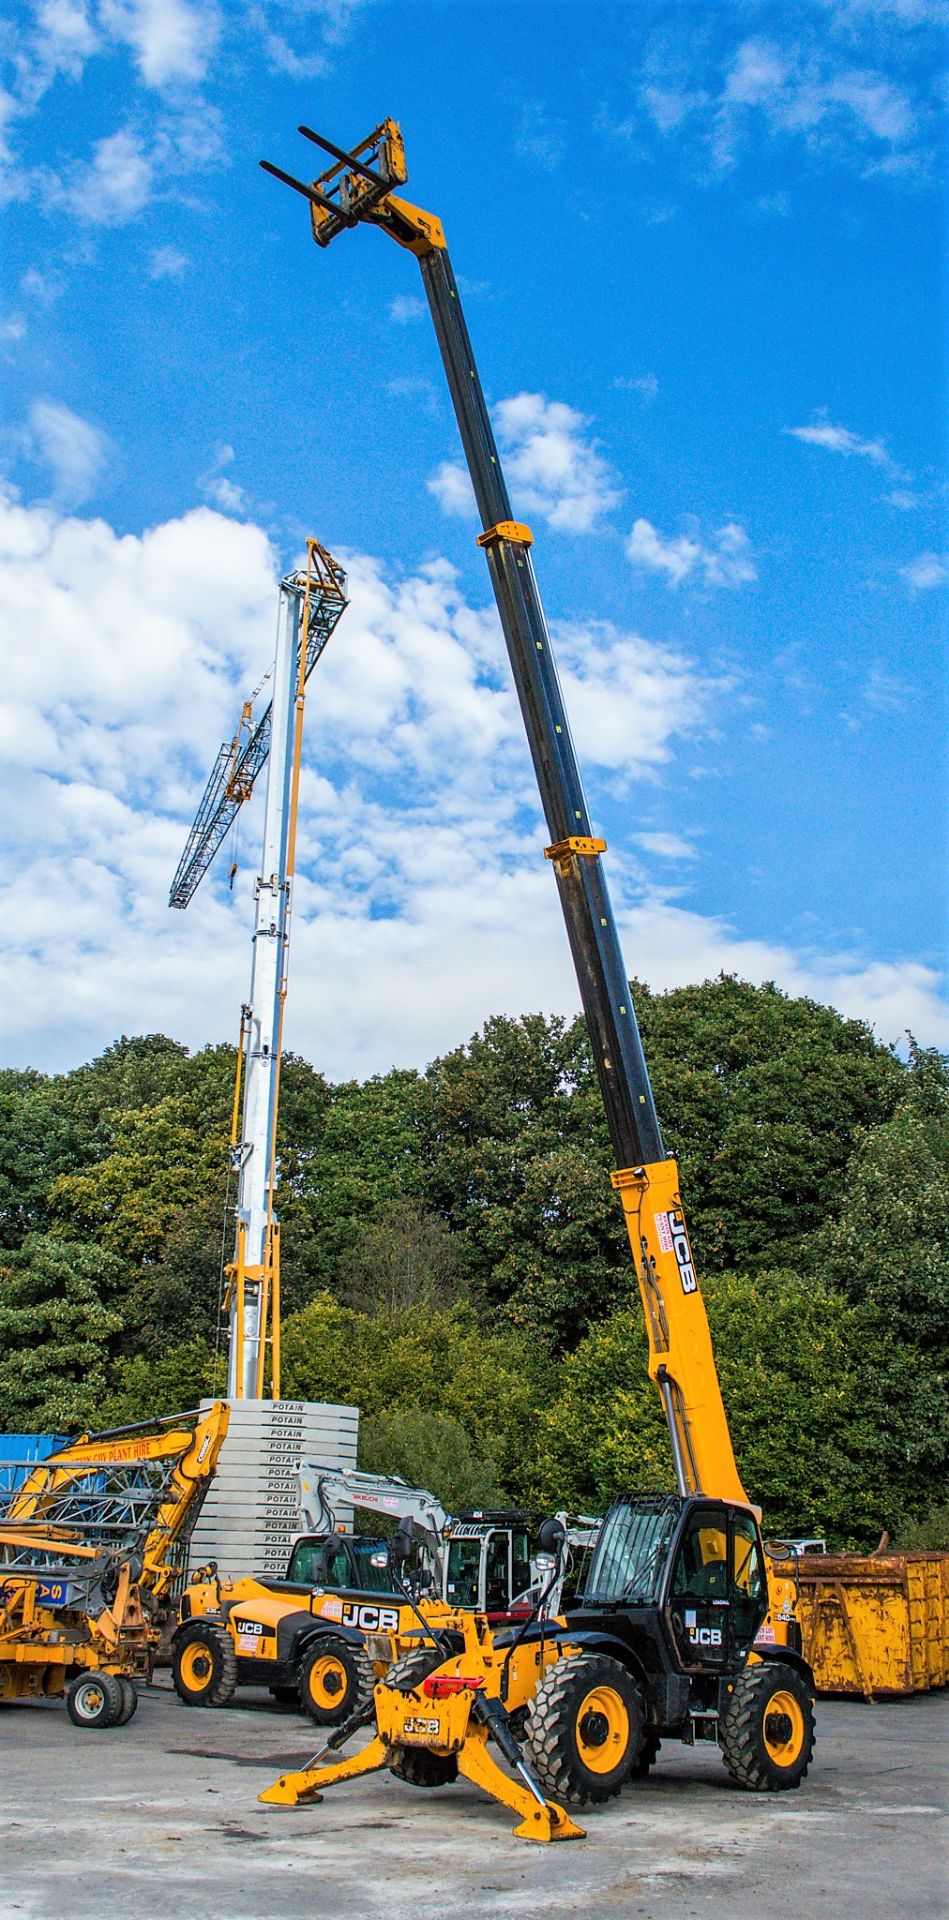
(507, 530)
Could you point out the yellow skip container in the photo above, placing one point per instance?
(876, 1624)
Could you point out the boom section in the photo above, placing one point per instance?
(358, 187)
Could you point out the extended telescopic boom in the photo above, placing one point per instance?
(359, 187)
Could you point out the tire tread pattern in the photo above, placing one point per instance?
(741, 1736)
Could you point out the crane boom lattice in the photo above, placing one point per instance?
(240, 760)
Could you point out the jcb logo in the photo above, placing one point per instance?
(371, 1619)
(705, 1636)
(683, 1252)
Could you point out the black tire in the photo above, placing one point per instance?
(334, 1679)
(95, 1700)
(204, 1665)
(767, 1731)
(648, 1755)
(129, 1701)
(285, 1696)
(586, 1713)
(416, 1765)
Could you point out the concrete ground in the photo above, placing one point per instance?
(160, 1821)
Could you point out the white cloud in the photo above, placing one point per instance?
(928, 570)
(906, 502)
(726, 562)
(859, 95)
(841, 440)
(451, 487)
(72, 449)
(170, 40)
(405, 308)
(644, 383)
(667, 846)
(43, 288)
(217, 486)
(422, 903)
(166, 263)
(553, 468)
(107, 190)
(538, 139)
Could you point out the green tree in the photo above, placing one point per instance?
(404, 1258)
(433, 1450)
(423, 1358)
(59, 1326)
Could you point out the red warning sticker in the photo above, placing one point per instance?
(664, 1231)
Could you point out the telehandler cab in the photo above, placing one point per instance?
(686, 1628)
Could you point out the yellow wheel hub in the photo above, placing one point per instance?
(602, 1729)
(784, 1728)
(196, 1667)
(327, 1681)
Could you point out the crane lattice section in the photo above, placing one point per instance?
(240, 760)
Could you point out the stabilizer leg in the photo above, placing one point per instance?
(304, 1788)
(539, 1821)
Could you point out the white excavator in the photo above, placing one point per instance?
(479, 1558)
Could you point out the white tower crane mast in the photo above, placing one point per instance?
(311, 604)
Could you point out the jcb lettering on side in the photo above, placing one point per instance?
(371, 1619)
(705, 1636)
(683, 1252)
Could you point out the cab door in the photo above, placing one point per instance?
(698, 1593)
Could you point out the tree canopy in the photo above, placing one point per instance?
(456, 1264)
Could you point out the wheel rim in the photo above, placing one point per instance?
(327, 1681)
(602, 1729)
(196, 1668)
(91, 1700)
(784, 1728)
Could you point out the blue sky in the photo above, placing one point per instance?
(700, 249)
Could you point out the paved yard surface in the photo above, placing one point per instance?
(160, 1821)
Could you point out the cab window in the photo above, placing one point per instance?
(701, 1570)
(307, 1565)
(747, 1579)
(520, 1564)
(497, 1592)
(464, 1565)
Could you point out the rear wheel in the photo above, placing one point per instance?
(95, 1700)
(335, 1678)
(767, 1731)
(204, 1665)
(585, 1728)
(129, 1702)
(416, 1765)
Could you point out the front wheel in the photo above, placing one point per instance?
(767, 1730)
(585, 1728)
(95, 1700)
(204, 1665)
(334, 1679)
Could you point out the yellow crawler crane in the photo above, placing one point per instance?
(686, 1628)
(91, 1540)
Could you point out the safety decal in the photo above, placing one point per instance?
(332, 1609)
(664, 1231)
